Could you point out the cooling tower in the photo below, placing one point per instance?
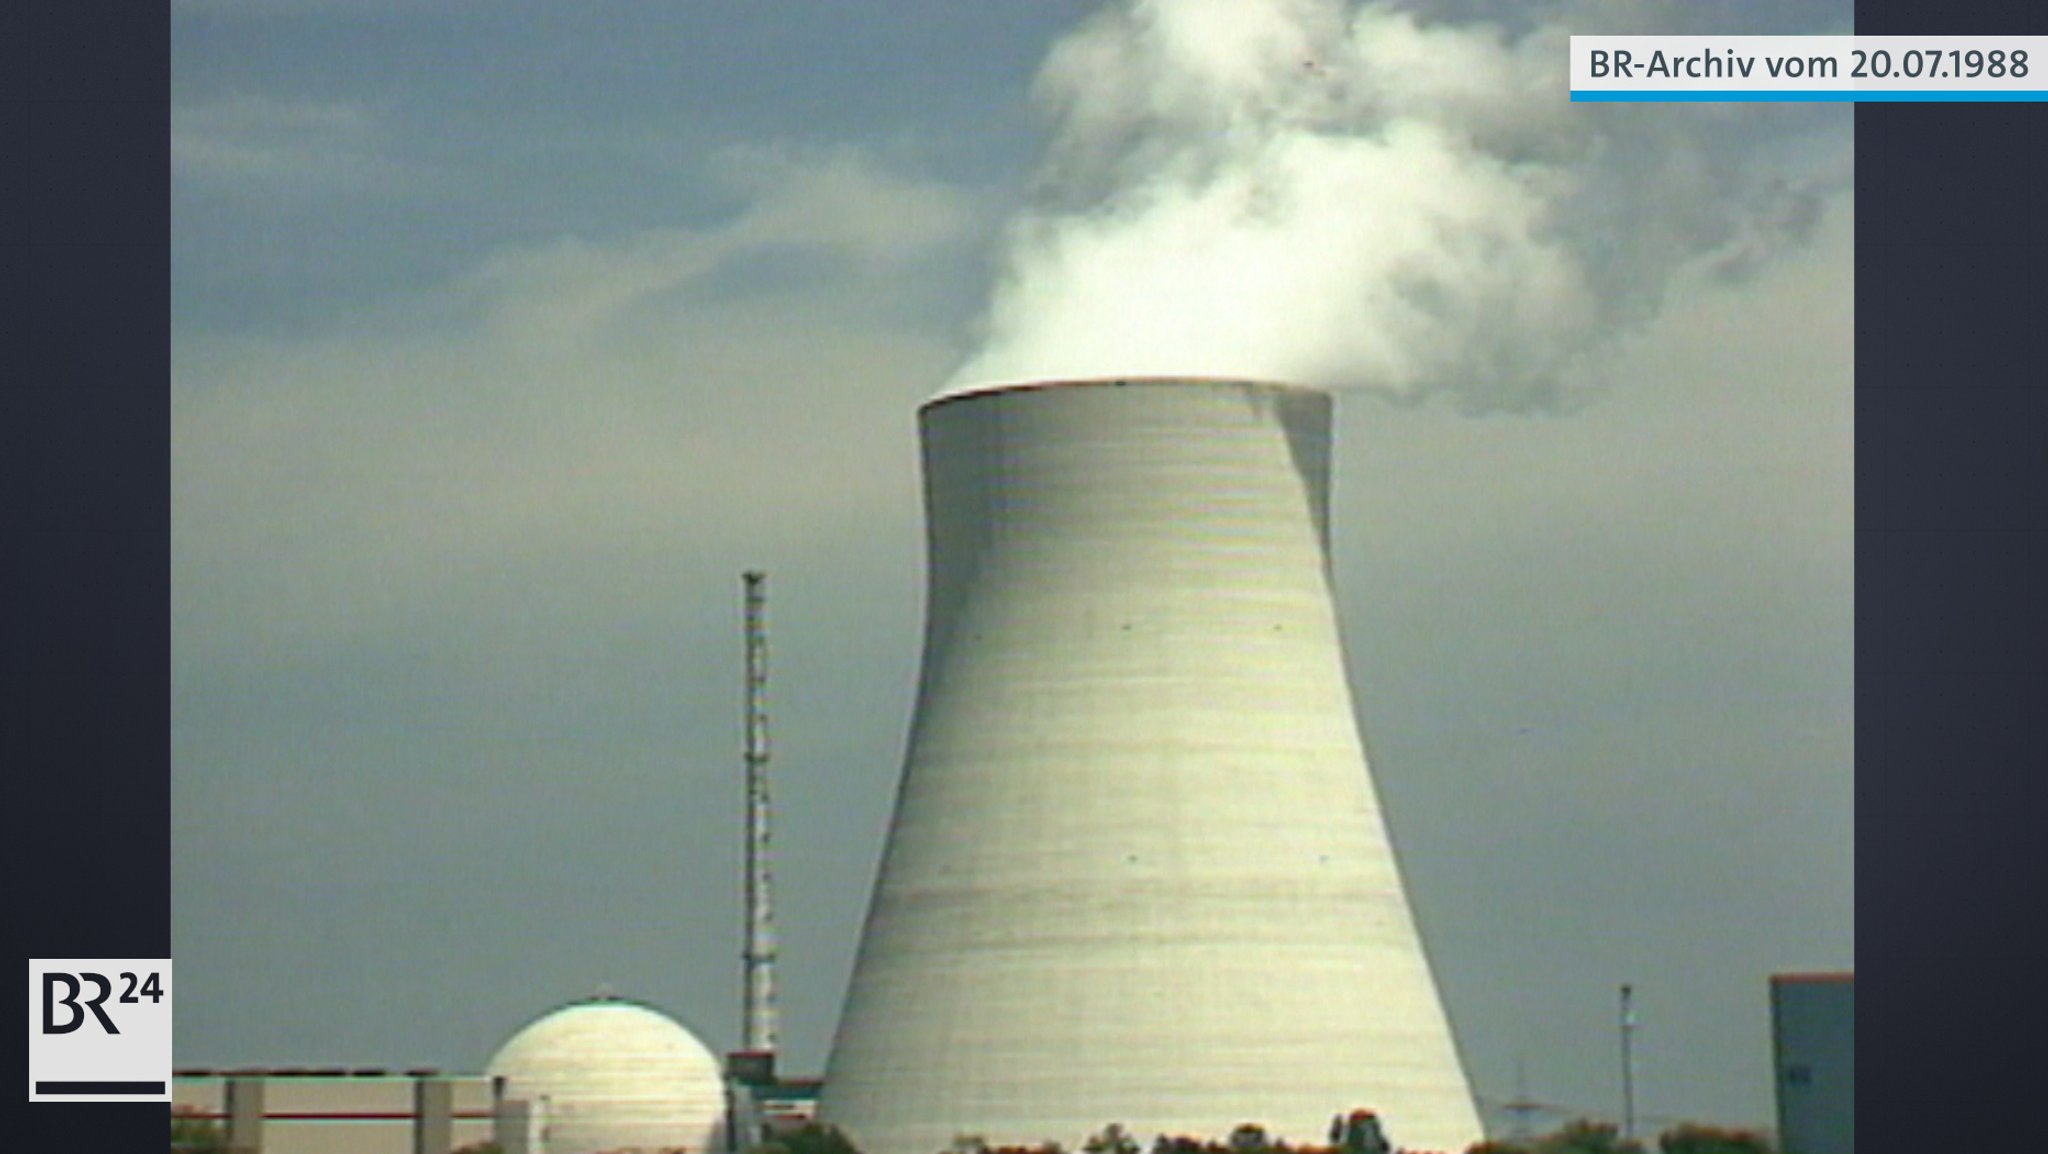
(1137, 871)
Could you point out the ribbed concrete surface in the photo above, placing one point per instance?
(1137, 871)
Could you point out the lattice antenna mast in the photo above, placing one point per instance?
(758, 1025)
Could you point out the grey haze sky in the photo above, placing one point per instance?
(506, 335)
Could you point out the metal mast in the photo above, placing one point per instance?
(1628, 1062)
(1522, 1107)
(758, 1027)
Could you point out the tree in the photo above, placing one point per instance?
(811, 1138)
(1182, 1144)
(1249, 1138)
(1587, 1137)
(1359, 1133)
(193, 1134)
(1113, 1139)
(1689, 1138)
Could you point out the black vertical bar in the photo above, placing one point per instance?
(85, 502)
(1951, 417)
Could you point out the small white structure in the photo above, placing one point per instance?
(606, 1074)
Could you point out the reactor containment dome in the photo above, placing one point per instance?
(606, 1074)
(1137, 871)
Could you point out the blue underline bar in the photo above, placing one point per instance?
(1831, 95)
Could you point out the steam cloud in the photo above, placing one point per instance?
(1358, 197)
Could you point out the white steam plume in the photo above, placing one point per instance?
(1357, 197)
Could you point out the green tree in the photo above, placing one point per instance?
(1688, 1138)
(192, 1134)
(1249, 1138)
(1359, 1133)
(1182, 1144)
(1587, 1137)
(1112, 1139)
(812, 1138)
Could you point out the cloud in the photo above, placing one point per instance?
(265, 146)
(1605, 668)
(852, 220)
(1359, 197)
(590, 397)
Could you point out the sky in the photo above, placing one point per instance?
(506, 335)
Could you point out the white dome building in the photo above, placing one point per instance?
(606, 1074)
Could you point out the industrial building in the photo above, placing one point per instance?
(597, 1075)
(1137, 870)
(304, 1110)
(609, 1074)
(1813, 1043)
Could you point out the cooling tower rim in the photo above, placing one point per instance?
(974, 392)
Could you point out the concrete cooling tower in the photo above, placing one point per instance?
(1137, 871)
